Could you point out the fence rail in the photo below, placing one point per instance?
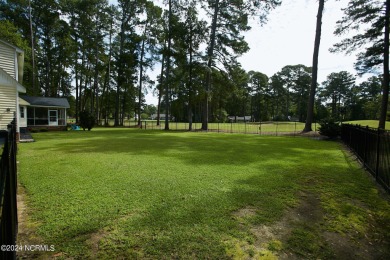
(8, 186)
(262, 128)
(372, 147)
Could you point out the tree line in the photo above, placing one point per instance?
(100, 55)
(284, 96)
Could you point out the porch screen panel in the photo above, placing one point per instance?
(61, 116)
(41, 116)
(30, 116)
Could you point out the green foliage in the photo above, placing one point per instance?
(366, 18)
(87, 120)
(330, 128)
(221, 115)
(11, 34)
(338, 88)
(388, 116)
(144, 116)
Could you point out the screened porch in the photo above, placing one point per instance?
(43, 116)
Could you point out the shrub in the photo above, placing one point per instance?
(87, 120)
(221, 115)
(330, 128)
(144, 116)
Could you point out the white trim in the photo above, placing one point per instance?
(17, 112)
(23, 121)
(48, 118)
(16, 66)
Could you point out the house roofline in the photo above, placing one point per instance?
(47, 106)
(13, 82)
(12, 46)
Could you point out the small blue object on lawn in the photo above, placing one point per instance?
(75, 127)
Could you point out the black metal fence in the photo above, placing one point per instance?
(261, 128)
(8, 186)
(372, 146)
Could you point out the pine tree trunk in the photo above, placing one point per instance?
(190, 95)
(107, 79)
(167, 96)
(34, 87)
(140, 79)
(120, 72)
(205, 119)
(160, 89)
(385, 87)
(77, 85)
(310, 106)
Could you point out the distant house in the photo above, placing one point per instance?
(239, 118)
(11, 77)
(162, 117)
(38, 112)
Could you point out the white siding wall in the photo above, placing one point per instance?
(7, 60)
(7, 100)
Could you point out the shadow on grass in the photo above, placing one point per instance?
(264, 172)
(193, 148)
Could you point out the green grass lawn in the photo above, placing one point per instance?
(129, 193)
(369, 123)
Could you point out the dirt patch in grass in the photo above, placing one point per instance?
(244, 213)
(301, 233)
(94, 240)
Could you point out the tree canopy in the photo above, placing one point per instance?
(100, 56)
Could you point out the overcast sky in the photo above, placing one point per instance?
(288, 39)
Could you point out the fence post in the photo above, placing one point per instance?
(260, 127)
(350, 136)
(377, 154)
(8, 168)
(365, 146)
(295, 131)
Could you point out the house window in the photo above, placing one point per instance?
(21, 109)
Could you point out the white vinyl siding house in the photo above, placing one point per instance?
(7, 60)
(11, 75)
(12, 60)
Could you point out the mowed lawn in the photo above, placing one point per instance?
(130, 193)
